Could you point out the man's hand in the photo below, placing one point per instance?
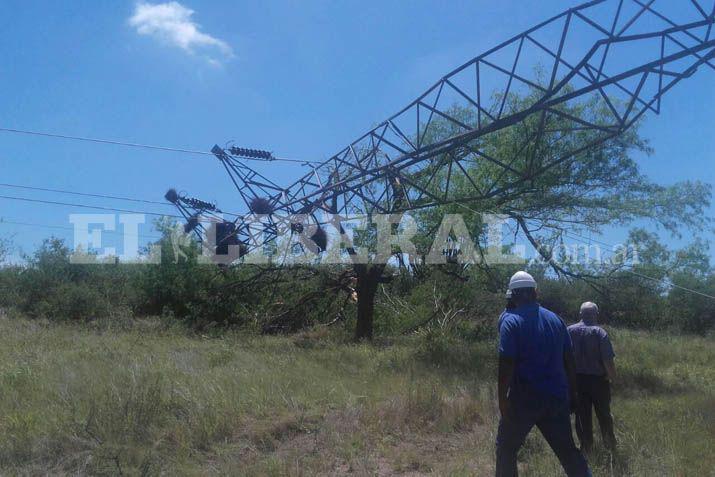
(610, 369)
(574, 402)
(506, 372)
(504, 408)
(570, 367)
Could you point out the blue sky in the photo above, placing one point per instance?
(299, 78)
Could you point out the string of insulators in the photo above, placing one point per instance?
(251, 153)
(198, 204)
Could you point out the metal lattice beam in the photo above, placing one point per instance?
(619, 56)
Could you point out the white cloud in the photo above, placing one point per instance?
(171, 23)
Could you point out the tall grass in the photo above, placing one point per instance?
(147, 400)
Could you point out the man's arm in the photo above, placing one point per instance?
(610, 366)
(607, 356)
(507, 360)
(506, 372)
(570, 367)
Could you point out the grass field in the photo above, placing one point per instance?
(145, 400)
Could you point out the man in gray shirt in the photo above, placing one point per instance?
(594, 372)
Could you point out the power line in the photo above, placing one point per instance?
(660, 280)
(675, 285)
(180, 217)
(94, 195)
(663, 281)
(62, 227)
(138, 145)
(84, 206)
(84, 194)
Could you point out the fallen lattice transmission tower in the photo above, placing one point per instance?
(620, 56)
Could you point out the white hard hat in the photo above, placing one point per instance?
(521, 280)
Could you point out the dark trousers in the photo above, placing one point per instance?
(552, 417)
(594, 393)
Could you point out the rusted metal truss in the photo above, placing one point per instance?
(618, 57)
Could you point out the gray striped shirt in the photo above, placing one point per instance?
(591, 347)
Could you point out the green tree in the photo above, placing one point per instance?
(598, 186)
(689, 281)
(4, 250)
(51, 286)
(562, 178)
(664, 288)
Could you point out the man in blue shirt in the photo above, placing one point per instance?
(595, 370)
(536, 381)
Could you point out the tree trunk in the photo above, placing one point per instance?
(368, 278)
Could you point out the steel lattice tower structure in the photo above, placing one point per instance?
(620, 56)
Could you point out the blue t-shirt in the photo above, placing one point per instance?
(536, 339)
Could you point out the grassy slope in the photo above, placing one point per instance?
(146, 401)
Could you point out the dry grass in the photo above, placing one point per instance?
(144, 400)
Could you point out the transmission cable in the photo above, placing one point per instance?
(139, 145)
(94, 195)
(62, 227)
(85, 206)
(660, 280)
(84, 194)
(180, 217)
